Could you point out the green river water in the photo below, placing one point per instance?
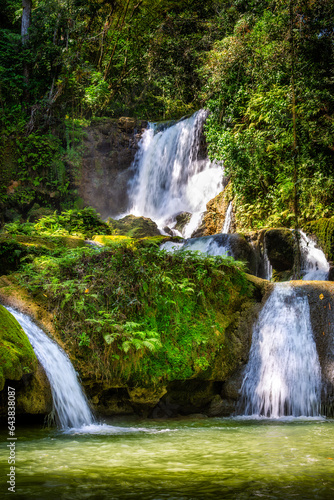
(175, 459)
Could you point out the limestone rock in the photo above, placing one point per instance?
(214, 217)
(109, 147)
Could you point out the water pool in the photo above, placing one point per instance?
(175, 459)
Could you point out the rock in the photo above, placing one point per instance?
(280, 245)
(320, 296)
(182, 220)
(144, 399)
(168, 230)
(220, 407)
(16, 353)
(214, 217)
(134, 227)
(231, 388)
(323, 231)
(109, 147)
(35, 396)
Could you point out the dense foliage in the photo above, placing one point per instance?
(117, 306)
(263, 67)
(270, 60)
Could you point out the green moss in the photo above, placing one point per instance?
(134, 227)
(135, 314)
(16, 354)
(16, 248)
(323, 229)
(112, 241)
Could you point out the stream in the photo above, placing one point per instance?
(176, 459)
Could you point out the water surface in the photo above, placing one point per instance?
(176, 459)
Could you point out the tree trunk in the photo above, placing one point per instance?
(25, 25)
(26, 20)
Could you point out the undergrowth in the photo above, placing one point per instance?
(138, 314)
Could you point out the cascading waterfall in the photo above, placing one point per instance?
(217, 244)
(268, 268)
(70, 404)
(169, 175)
(313, 261)
(228, 219)
(283, 376)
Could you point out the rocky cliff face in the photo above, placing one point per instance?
(108, 149)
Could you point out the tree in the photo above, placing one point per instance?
(26, 20)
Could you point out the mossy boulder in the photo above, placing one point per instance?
(280, 248)
(16, 353)
(112, 240)
(323, 230)
(13, 248)
(135, 227)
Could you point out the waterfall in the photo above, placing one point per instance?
(228, 219)
(170, 176)
(283, 374)
(268, 268)
(70, 404)
(314, 265)
(217, 244)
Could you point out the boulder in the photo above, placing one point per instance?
(135, 227)
(182, 220)
(280, 245)
(16, 353)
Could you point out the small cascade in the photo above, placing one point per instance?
(314, 265)
(70, 404)
(170, 176)
(283, 376)
(267, 267)
(228, 219)
(215, 245)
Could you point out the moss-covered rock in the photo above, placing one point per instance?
(34, 395)
(14, 248)
(323, 230)
(135, 227)
(16, 353)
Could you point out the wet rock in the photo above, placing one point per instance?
(16, 353)
(35, 397)
(320, 296)
(168, 230)
(280, 248)
(214, 217)
(144, 399)
(221, 407)
(109, 147)
(182, 220)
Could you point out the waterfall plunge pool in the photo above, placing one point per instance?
(176, 459)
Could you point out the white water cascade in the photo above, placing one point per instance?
(215, 245)
(170, 177)
(283, 375)
(268, 268)
(313, 262)
(228, 219)
(70, 404)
